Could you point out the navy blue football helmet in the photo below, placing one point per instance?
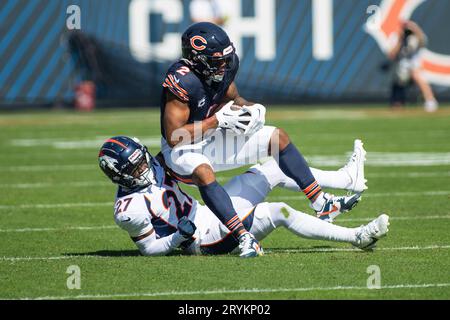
(209, 51)
(123, 160)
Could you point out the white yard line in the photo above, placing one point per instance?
(237, 291)
(53, 168)
(370, 195)
(393, 217)
(105, 183)
(16, 259)
(305, 250)
(411, 174)
(107, 227)
(56, 205)
(268, 251)
(39, 185)
(87, 228)
(80, 143)
(374, 159)
(270, 198)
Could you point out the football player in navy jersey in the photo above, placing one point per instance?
(207, 127)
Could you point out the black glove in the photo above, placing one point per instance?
(186, 227)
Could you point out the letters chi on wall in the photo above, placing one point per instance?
(290, 51)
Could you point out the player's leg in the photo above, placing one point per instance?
(195, 167)
(294, 166)
(269, 216)
(350, 177)
(431, 103)
(250, 188)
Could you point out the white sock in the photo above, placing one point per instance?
(332, 179)
(307, 226)
(326, 179)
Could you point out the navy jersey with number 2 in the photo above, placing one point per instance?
(202, 97)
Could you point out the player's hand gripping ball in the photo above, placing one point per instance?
(233, 117)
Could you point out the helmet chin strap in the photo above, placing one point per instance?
(147, 177)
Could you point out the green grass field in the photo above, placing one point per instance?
(56, 211)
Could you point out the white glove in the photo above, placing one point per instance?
(258, 117)
(232, 119)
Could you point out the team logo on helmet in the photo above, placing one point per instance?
(202, 40)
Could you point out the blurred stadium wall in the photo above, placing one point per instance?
(291, 51)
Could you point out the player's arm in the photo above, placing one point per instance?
(150, 246)
(175, 120)
(141, 231)
(233, 94)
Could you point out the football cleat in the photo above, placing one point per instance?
(249, 246)
(355, 168)
(368, 235)
(334, 206)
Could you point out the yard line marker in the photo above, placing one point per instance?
(69, 167)
(58, 143)
(14, 259)
(370, 195)
(393, 217)
(87, 228)
(96, 183)
(270, 198)
(38, 185)
(268, 251)
(311, 250)
(431, 174)
(234, 291)
(374, 159)
(56, 205)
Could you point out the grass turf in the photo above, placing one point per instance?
(56, 211)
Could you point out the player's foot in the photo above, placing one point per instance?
(334, 206)
(368, 235)
(355, 168)
(431, 105)
(249, 246)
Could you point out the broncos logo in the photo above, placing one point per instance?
(106, 161)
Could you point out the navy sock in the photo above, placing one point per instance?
(218, 200)
(293, 165)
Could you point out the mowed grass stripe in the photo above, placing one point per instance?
(108, 227)
(270, 198)
(236, 291)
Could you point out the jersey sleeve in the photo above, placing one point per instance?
(179, 86)
(137, 222)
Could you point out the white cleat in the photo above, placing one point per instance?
(335, 206)
(355, 168)
(249, 246)
(368, 235)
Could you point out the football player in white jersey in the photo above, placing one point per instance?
(160, 217)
